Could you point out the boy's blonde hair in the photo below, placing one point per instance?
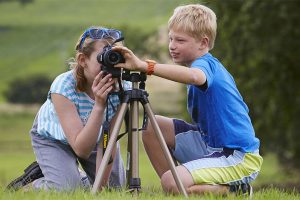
(196, 20)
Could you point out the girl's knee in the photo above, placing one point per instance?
(58, 184)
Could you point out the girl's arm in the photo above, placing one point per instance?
(83, 138)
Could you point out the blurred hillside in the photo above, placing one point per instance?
(38, 38)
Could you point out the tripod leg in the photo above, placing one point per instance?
(129, 151)
(165, 148)
(109, 149)
(134, 182)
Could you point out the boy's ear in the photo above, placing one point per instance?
(204, 42)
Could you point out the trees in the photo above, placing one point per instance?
(22, 2)
(258, 42)
(29, 90)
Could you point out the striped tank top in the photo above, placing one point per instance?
(48, 124)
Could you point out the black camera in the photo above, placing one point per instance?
(109, 58)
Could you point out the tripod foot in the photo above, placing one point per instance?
(135, 184)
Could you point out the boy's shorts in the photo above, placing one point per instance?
(213, 165)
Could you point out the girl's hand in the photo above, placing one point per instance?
(102, 85)
(132, 62)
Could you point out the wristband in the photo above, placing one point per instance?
(151, 64)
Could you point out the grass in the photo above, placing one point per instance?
(268, 194)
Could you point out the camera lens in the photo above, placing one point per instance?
(114, 57)
(109, 58)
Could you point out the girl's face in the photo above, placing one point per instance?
(183, 48)
(93, 67)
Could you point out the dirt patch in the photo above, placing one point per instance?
(18, 108)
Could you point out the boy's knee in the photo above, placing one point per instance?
(149, 128)
(148, 133)
(168, 183)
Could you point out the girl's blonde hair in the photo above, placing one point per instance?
(196, 20)
(86, 48)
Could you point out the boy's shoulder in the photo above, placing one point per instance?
(203, 60)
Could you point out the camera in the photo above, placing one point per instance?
(108, 58)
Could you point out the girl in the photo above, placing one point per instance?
(68, 125)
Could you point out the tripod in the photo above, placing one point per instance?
(131, 99)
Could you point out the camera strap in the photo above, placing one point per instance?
(106, 123)
(106, 128)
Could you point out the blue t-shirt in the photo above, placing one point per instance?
(219, 110)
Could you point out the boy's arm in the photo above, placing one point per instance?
(176, 73)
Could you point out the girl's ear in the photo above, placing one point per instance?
(81, 60)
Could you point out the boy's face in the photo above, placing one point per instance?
(183, 48)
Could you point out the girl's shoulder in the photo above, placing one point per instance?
(64, 82)
(65, 77)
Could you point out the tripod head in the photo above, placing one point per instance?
(136, 93)
(135, 77)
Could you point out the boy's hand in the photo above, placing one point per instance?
(132, 62)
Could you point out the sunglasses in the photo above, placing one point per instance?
(100, 33)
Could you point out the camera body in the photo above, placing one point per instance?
(108, 58)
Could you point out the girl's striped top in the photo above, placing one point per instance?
(48, 124)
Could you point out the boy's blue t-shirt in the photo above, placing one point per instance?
(219, 110)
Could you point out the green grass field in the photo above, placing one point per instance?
(272, 194)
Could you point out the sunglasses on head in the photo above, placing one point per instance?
(100, 33)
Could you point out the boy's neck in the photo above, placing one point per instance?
(202, 53)
(199, 54)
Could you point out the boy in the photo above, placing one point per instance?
(219, 151)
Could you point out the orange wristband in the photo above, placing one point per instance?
(151, 64)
